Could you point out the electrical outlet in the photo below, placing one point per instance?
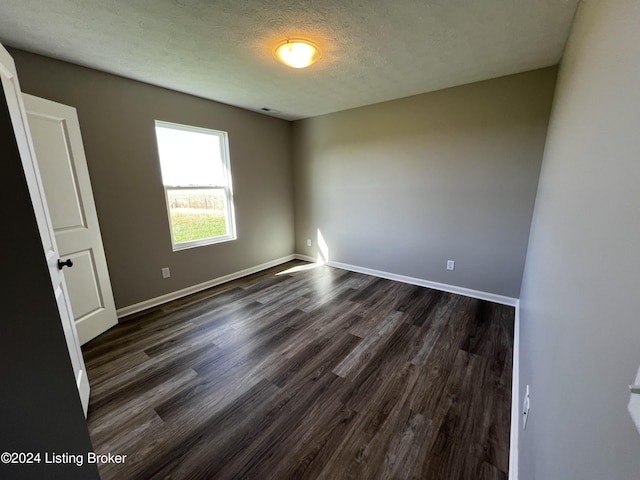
(165, 272)
(308, 242)
(451, 264)
(526, 405)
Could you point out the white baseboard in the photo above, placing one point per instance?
(306, 258)
(515, 399)
(154, 302)
(467, 292)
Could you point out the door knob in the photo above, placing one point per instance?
(62, 264)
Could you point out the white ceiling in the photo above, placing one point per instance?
(373, 50)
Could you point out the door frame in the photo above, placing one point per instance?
(17, 112)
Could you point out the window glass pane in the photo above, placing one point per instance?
(197, 214)
(189, 157)
(194, 162)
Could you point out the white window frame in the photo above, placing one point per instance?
(228, 189)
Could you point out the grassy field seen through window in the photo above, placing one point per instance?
(191, 224)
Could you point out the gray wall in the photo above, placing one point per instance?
(580, 325)
(402, 186)
(117, 122)
(40, 409)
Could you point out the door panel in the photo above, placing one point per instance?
(58, 142)
(20, 124)
(60, 179)
(82, 279)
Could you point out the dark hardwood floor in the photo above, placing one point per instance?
(300, 372)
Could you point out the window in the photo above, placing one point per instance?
(197, 184)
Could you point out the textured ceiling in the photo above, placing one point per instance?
(373, 50)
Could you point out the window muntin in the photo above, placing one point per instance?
(197, 182)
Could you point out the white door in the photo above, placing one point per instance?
(18, 115)
(63, 167)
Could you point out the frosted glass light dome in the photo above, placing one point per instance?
(297, 53)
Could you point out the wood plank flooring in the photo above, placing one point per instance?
(306, 373)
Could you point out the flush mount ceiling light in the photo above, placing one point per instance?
(297, 53)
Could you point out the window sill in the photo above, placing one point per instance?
(201, 243)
